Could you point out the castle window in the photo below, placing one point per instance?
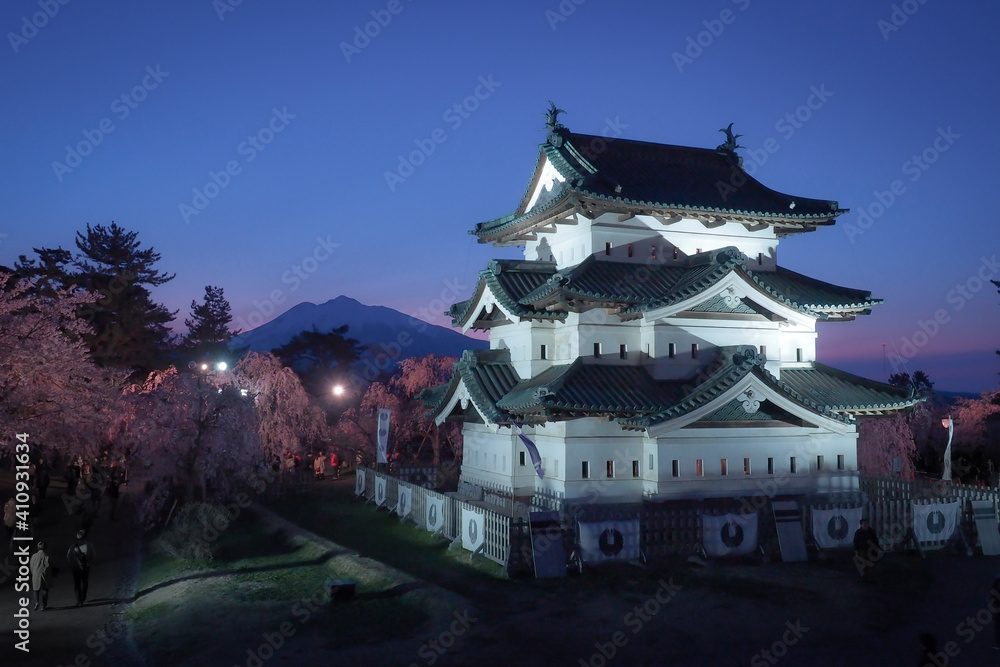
(724, 467)
(629, 249)
(840, 461)
(694, 350)
(746, 466)
(763, 350)
(672, 350)
(699, 468)
(791, 465)
(652, 252)
(650, 461)
(585, 470)
(635, 468)
(623, 351)
(541, 352)
(798, 354)
(770, 465)
(760, 258)
(611, 469)
(675, 468)
(597, 350)
(521, 458)
(819, 462)
(676, 254)
(697, 251)
(607, 248)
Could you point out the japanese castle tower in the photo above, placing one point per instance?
(649, 344)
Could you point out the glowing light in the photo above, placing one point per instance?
(222, 365)
(338, 390)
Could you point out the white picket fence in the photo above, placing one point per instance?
(496, 538)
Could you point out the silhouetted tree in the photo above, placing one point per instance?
(320, 358)
(208, 329)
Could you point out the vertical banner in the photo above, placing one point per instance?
(536, 459)
(729, 534)
(603, 541)
(359, 482)
(434, 519)
(473, 531)
(379, 491)
(405, 503)
(835, 528)
(383, 435)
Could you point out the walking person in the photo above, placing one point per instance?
(319, 466)
(80, 557)
(40, 567)
(867, 550)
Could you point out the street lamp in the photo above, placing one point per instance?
(338, 390)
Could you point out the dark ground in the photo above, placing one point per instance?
(724, 615)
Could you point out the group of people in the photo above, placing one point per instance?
(80, 556)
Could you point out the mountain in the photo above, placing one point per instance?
(395, 335)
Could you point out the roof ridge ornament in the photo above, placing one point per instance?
(730, 146)
(556, 129)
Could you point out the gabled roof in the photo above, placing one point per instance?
(627, 175)
(536, 290)
(631, 396)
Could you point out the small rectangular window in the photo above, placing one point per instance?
(694, 350)
(541, 352)
(699, 468)
(697, 251)
(840, 461)
(623, 351)
(746, 466)
(611, 469)
(585, 470)
(650, 461)
(819, 462)
(652, 252)
(770, 465)
(672, 350)
(607, 248)
(629, 249)
(521, 458)
(798, 354)
(763, 350)
(635, 468)
(724, 467)
(597, 350)
(791, 465)
(676, 254)
(760, 258)
(675, 468)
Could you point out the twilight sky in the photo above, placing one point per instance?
(249, 142)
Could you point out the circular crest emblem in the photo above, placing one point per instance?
(732, 534)
(432, 515)
(611, 542)
(837, 527)
(383, 432)
(473, 531)
(935, 522)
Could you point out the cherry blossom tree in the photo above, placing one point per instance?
(412, 431)
(881, 440)
(50, 387)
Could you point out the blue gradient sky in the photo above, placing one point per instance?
(321, 179)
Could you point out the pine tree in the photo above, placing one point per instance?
(208, 329)
(130, 329)
(319, 358)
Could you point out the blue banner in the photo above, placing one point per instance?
(536, 460)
